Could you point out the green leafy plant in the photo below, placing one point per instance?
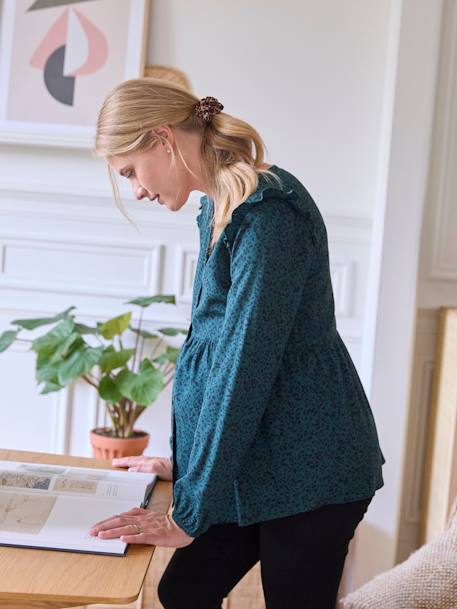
(127, 379)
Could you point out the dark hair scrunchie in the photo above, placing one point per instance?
(206, 108)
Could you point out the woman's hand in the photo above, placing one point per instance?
(142, 526)
(161, 466)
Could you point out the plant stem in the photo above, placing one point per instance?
(159, 342)
(138, 410)
(140, 352)
(167, 383)
(136, 357)
(114, 418)
(90, 381)
(122, 416)
(99, 340)
(169, 368)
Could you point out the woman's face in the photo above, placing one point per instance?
(151, 174)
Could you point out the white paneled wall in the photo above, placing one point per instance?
(437, 276)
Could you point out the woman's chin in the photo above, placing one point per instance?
(175, 205)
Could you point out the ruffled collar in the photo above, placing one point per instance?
(257, 195)
(266, 189)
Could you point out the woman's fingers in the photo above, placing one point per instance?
(161, 466)
(126, 461)
(145, 467)
(140, 538)
(116, 521)
(108, 523)
(126, 529)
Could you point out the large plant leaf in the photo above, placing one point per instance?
(113, 359)
(142, 388)
(48, 368)
(109, 390)
(145, 301)
(31, 324)
(66, 347)
(47, 344)
(115, 326)
(7, 339)
(47, 374)
(47, 363)
(80, 362)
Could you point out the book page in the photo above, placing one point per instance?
(53, 507)
(80, 472)
(100, 483)
(55, 522)
(24, 512)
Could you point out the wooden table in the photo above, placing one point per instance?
(45, 579)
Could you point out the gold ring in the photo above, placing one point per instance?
(139, 528)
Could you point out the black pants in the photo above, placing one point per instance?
(301, 560)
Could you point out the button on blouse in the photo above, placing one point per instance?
(269, 417)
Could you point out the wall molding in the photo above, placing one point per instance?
(149, 260)
(443, 264)
(97, 204)
(61, 419)
(185, 267)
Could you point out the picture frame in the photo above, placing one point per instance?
(58, 61)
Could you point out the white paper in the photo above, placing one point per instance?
(54, 507)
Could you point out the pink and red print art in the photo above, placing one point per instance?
(59, 59)
(72, 48)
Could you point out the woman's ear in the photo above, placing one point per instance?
(165, 135)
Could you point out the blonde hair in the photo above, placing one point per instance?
(169, 73)
(232, 152)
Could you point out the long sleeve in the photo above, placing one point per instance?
(271, 251)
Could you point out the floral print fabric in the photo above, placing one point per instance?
(269, 417)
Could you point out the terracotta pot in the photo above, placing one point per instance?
(106, 447)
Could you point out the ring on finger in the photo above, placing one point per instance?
(138, 527)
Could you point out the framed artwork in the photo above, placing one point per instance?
(58, 61)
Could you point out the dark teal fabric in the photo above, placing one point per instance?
(269, 417)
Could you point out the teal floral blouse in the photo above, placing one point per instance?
(269, 417)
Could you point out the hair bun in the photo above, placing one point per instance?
(207, 107)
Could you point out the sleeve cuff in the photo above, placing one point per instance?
(190, 527)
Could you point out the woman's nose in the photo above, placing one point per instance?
(139, 192)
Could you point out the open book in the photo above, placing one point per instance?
(53, 506)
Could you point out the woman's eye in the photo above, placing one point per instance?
(128, 174)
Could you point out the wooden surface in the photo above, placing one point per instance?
(40, 579)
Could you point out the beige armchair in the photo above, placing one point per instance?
(427, 579)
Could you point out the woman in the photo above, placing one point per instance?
(275, 453)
